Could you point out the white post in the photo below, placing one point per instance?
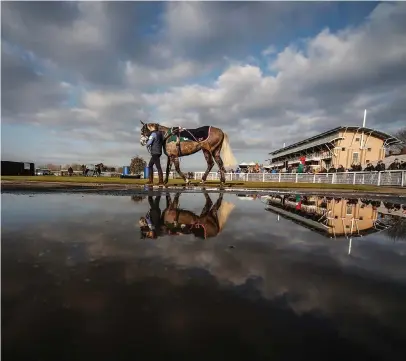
(263, 177)
(333, 178)
(297, 174)
(362, 135)
(314, 178)
(353, 179)
(402, 184)
(280, 175)
(379, 178)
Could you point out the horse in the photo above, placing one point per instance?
(209, 223)
(180, 142)
(98, 169)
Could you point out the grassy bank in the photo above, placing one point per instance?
(236, 184)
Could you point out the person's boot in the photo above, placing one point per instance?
(150, 178)
(160, 179)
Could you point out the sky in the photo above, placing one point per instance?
(77, 77)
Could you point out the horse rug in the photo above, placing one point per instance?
(189, 135)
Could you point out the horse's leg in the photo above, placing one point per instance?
(168, 169)
(218, 204)
(219, 162)
(176, 200)
(210, 164)
(177, 167)
(207, 205)
(168, 201)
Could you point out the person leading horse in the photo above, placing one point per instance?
(154, 145)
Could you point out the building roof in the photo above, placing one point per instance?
(377, 133)
(299, 217)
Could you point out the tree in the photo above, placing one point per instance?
(400, 134)
(137, 165)
(397, 230)
(51, 166)
(76, 166)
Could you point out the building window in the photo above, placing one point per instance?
(343, 149)
(357, 139)
(349, 209)
(369, 149)
(355, 158)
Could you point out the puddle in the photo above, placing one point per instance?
(199, 276)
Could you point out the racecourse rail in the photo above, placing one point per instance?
(395, 178)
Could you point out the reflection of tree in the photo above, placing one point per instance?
(397, 229)
(138, 198)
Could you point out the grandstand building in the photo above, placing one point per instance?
(339, 146)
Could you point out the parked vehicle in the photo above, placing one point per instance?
(42, 172)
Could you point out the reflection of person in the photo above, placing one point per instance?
(151, 223)
(154, 145)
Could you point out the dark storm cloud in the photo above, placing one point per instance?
(211, 30)
(90, 39)
(23, 90)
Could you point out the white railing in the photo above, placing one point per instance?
(388, 178)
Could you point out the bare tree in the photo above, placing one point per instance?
(397, 230)
(400, 148)
(51, 166)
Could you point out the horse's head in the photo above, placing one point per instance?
(146, 130)
(146, 232)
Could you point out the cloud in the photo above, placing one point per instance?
(326, 83)
(267, 73)
(24, 90)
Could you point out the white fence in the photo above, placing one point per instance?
(388, 178)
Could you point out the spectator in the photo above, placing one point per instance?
(395, 165)
(369, 168)
(340, 168)
(332, 170)
(380, 167)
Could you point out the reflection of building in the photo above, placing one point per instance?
(340, 146)
(328, 216)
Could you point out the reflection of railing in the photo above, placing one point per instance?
(366, 216)
(387, 178)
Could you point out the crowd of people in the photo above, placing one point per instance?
(380, 167)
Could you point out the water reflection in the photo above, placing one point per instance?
(174, 220)
(81, 283)
(341, 217)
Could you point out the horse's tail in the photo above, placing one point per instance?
(227, 156)
(223, 213)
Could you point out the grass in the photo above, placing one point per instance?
(236, 184)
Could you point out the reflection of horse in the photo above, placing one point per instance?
(182, 142)
(208, 224)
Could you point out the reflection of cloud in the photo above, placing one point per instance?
(278, 259)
